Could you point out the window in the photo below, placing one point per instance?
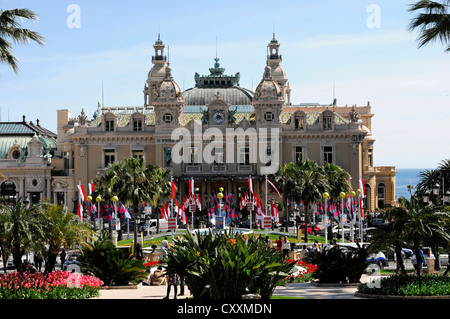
(299, 123)
(193, 155)
(137, 125)
(218, 155)
(381, 195)
(110, 156)
(66, 156)
(327, 122)
(268, 156)
(109, 125)
(370, 155)
(168, 157)
(298, 154)
(269, 116)
(8, 192)
(167, 118)
(328, 154)
(244, 155)
(137, 153)
(16, 154)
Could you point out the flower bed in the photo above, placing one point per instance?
(55, 285)
(302, 272)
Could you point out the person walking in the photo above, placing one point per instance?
(62, 256)
(164, 246)
(286, 246)
(172, 280)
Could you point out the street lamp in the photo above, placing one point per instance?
(342, 195)
(98, 199)
(115, 199)
(446, 197)
(436, 188)
(426, 197)
(326, 196)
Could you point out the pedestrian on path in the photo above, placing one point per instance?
(62, 256)
(173, 280)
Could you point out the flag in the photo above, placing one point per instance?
(250, 186)
(259, 209)
(80, 209)
(199, 204)
(191, 187)
(363, 195)
(81, 193)
(173, 190)
(275, 188)
(177, 208)
(91, 188)
(182, 215)
(274, 213)
(164, 212)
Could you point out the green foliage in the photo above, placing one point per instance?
(111, 265)
(339, 265)
(409, 285)
(226, 266)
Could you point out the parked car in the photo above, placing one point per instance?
(378, 258)
(10, 264)
(443, 260)
(406, 253)
(72, 263)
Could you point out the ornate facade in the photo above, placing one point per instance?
(219, 134)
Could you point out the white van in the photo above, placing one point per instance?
(152, 226)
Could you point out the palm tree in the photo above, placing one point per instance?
(61, 229)
(10, 30)
(312, 183)
(424, 225)
(134, 183)
(428, 179)
(18, 229)
(433, 21)
(337, 179)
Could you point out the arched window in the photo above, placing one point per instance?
(381, 190)
(8, 192)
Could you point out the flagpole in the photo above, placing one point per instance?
(171, 198)
(267, 207)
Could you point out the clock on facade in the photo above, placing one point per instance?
(218, 117)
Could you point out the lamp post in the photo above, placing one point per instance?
(360, 223)
(342, 195)
(352, 222)
(98, 199)
(446, 197)
(114, 232)
(324, 220)
(426, 197)
(220, 196)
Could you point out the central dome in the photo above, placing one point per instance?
(207, 87)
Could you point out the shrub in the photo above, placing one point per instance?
(337, 265)
(408, 285)
(55, 285)
(226, 266)
(113, 266)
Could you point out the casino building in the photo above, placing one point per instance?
(218, 134)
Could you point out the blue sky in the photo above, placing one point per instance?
(321, 42)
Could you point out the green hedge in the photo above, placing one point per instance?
(401, 285)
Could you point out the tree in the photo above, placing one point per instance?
(424, 226)
(10, 30)
(337, 179)
(61, 229)
(432, 21)
(312, 183)
(18, 228)
(134, 183)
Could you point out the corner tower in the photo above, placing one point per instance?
(156, 74)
